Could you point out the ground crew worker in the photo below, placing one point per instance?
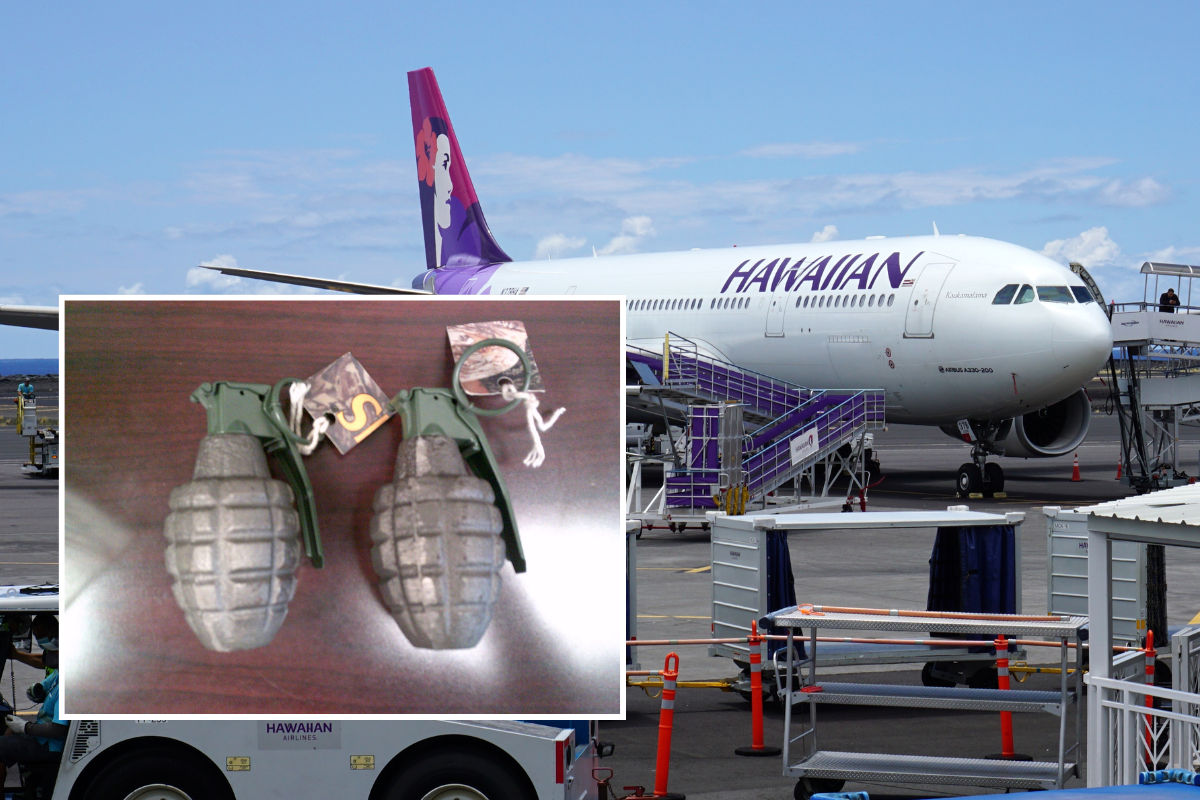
(25, 387)
(45, 631)
(36, 742)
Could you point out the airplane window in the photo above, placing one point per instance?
(871, 302)
(1055, 294)
(881, 301)
(839, 302)
(797, 302)
(726, 303)
(891, 297)
(1005, 295)
(1082, 294)
(1025, 295)
(806, 302)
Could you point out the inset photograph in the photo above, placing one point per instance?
(342, 507)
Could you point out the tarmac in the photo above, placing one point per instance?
(863, 568)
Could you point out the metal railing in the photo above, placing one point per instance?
(1136, 737)
(704, 376)
(1185, 739)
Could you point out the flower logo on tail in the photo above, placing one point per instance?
(426, 153)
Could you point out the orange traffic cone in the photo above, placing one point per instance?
(1120, 463)
(1075, 471)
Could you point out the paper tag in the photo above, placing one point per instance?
(482, 373)
(345, 390)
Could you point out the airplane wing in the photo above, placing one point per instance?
(316, 283)
(44, 317)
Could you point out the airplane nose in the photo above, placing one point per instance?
(1082, 342)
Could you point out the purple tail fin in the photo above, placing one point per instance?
(456, 234)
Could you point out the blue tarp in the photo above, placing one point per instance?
(973, 569)
(781, 586)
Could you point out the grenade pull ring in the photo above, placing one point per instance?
(444, 526)
(233, 533)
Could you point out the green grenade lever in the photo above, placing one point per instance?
(233, 534)
(441, 532)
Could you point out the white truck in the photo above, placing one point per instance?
(297, 758)
(321, 758)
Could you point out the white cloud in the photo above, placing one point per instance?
(1136, 194)
(1173, 255)
(633, 230)
(12, 300)
(828, 234)
(802, 149)
(1092, 248)
(27, 204)
(137, 288)
(556, 244)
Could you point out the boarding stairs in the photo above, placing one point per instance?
(751, 432)
(1154, 377)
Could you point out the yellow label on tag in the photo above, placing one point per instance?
(237, 764)
(362, 762)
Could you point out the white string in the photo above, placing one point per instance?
(538, 454)
(296, 393)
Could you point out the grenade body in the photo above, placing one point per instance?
(436, 546)
(233, 545)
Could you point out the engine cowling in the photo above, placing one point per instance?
(1053, 431)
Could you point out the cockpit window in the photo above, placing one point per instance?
(1055, 294)
(1025, 295)
(1005, 295)
(1082, 294)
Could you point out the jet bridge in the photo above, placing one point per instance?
(745, 436)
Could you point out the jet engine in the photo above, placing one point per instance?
(1053, 431)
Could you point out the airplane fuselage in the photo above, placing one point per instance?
(912, 315)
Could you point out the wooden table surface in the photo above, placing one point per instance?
(130, 436)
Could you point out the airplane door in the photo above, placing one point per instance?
(923, 301)
(775, 314)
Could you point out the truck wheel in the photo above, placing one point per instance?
(457, 774)
(158, 774)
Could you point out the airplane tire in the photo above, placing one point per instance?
(995, 477)
(970, 480)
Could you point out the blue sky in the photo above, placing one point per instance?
(139, 140)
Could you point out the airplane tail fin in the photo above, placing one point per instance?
(456, 234)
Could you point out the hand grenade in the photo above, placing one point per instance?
(233, 534)
(234, 545)
(436, 545)
(440, 534)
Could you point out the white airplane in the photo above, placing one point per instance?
(990, 341)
